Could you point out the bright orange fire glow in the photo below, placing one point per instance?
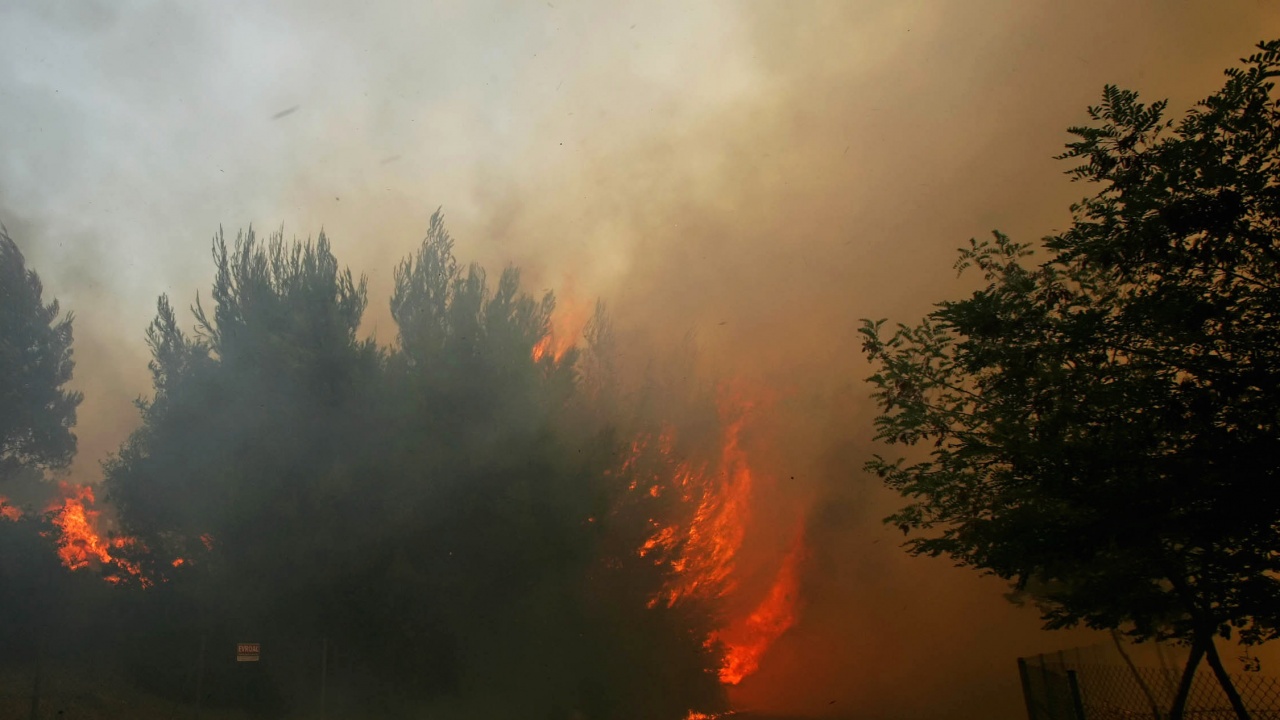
(82, 543)
(709, 546)
(702, 550)
(77, 520)
(567, 324)
(9, 511)
(542, 347)
(746, 643)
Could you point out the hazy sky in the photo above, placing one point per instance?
(763, 174)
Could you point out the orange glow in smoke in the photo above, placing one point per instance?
(542, 347)
(9, 511)
(567, 323)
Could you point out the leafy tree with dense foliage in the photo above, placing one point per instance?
(1103, 427)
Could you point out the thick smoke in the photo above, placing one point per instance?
(760, 176)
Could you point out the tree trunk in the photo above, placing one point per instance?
(1188, 674)
(1225, 681)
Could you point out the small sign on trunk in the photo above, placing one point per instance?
(248, 652)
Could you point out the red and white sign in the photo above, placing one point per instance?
(248, 652)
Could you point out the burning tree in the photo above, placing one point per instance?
(1103, 426)
(425, 506)
(687, 491)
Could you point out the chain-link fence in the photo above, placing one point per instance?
(1062, 687)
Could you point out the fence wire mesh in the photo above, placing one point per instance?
(1062, 687)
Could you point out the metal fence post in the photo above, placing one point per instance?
(1049, 704)
(1025, 676)
(1077, 702)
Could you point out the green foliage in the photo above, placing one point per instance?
(1101, 428)
(37, 412)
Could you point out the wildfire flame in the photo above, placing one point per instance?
(567, 323)
(9, 511)
(746, 644)
(702, 551)
(76, 519)
(710, 542)
(82, 543)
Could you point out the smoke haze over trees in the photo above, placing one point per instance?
(433, 510)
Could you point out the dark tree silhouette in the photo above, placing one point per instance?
(1103, 427)
(37, 412)
(425, 508)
